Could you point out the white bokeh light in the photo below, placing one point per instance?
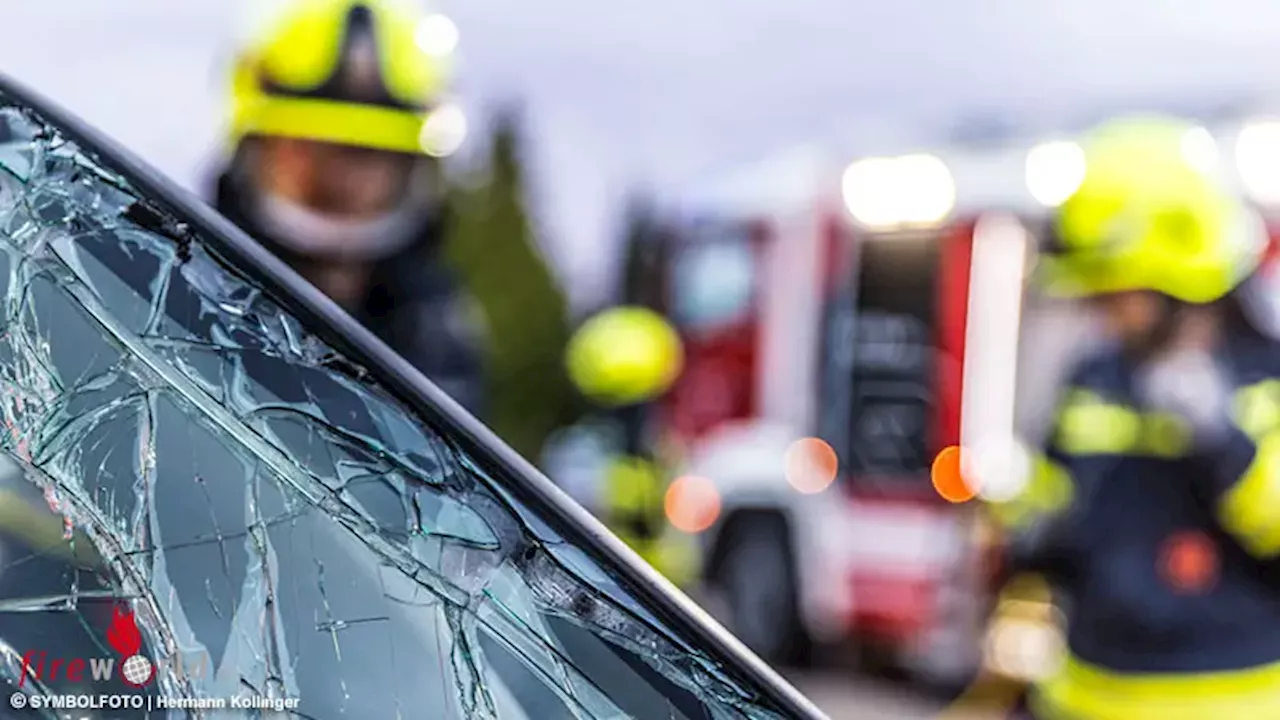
(882, 193)
(1258, 160)
(444, 131)
(1054, 171)
(1200, 150)
(926, 188)
(870, 193)
(1025, 649)
(437, 35)
(1000, 467)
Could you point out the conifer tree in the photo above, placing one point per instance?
(495, 249)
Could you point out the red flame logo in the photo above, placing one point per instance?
(123, 633)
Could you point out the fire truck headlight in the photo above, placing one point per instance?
(871, 193)
(928, 188)
(1054, 171)
(1258, 160)
(882, 193)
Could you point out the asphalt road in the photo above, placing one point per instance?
(843, 696)
(846, 696)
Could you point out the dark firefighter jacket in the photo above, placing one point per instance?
(414, 304)
(1168, 562)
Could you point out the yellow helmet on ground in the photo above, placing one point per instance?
(1153, 212)
(348, 72)
(624, 355)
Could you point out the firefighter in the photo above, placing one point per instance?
(1155, 509)
(621, 359)
(333, 167)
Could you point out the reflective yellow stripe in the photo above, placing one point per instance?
(1257, 408)
(1251, 508)
(329, 121)
(1164, 435)
(1049, 491)
(1088, 425)
(1080, 691)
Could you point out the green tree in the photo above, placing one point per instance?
(496, 252)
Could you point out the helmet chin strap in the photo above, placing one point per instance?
(317, 235)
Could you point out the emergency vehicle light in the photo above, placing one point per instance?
(910, 190)
(1258, 160)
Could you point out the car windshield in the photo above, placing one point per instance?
(204, 501)
(714, 281)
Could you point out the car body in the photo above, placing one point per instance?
(214, 475)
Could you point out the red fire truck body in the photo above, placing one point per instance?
(881, 308)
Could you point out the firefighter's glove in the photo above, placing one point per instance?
(1193, 386)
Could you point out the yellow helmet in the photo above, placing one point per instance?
(624, 355)
(349, 72)
(1153, 213)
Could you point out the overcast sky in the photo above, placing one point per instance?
(667, 91)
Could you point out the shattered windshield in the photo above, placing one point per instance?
(202, 501)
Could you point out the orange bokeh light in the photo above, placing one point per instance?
(1190, 562)
(692, 503)
(947, 477)
(811, 465)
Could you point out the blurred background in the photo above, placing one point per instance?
(795, 192)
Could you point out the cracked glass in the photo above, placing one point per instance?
(201, 500)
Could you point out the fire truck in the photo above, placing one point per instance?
(846, 322)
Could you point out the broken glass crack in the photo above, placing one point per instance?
(177, 444)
